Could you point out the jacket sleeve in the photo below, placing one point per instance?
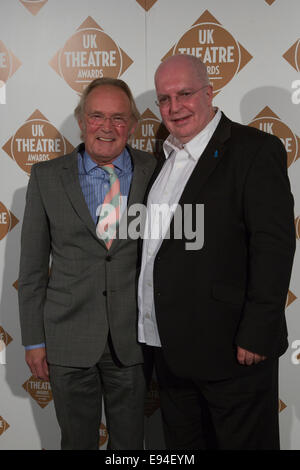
(269, 218)
(34, 264)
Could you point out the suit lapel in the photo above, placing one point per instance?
(208, 161)
(140, 179)
(206, 165)
(70, 180)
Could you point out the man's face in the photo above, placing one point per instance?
(106, 123)
(184, 117)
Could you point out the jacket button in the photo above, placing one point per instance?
(104, 293)
(108, 258)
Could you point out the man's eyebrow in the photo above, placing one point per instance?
(187, 89)
(183, 90)
(103, 114)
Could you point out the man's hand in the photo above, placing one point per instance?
(37, 362)
(248, 358)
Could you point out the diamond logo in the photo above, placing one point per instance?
(146, 4)
(281, 406)
(33, 6)
(149, 134)
(35, 141)
(290, 298)
(103, 435)
(5, 338)
(39, 390)
(3, 425)
(268, 121)
(222, 54)
(88, 54)
(7, 221)
(9, 63)
(292, 55)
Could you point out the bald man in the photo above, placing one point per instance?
(212, 307)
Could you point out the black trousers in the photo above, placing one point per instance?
(239, 413)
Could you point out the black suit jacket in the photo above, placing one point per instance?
(233, 290)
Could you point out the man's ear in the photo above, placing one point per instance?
(210, 94)
(82, 127)
(80, 124)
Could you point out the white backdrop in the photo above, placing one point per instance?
(49, 50)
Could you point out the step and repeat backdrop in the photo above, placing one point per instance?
(49, 51)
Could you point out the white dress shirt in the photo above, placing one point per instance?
(165, 193)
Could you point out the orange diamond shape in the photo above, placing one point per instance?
(3, 425)
(281, 406)
(33, 7)
(222, 54)
(88, 54)
(39, 390)
(146, 4)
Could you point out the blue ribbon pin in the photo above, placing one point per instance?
(216, 154)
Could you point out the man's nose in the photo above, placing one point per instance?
(174, 104)
(107, 124)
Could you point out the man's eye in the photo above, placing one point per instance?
(119, 120)
(163, 99)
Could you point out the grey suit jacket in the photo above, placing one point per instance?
(89, 291)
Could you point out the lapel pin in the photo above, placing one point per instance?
(216, 154)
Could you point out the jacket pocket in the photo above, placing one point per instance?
(226, 292)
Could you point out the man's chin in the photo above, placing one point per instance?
(183, 137)
(103, 158)
(182, 133)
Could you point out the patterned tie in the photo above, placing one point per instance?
(110, 210)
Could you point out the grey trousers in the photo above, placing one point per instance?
(78, 393)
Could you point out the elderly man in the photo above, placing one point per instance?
(79, 324)
(214, 309)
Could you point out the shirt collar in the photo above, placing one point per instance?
(122, 162)
(192, 147)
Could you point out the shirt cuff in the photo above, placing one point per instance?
(35, 346)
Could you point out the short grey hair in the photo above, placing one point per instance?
(79, 110)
